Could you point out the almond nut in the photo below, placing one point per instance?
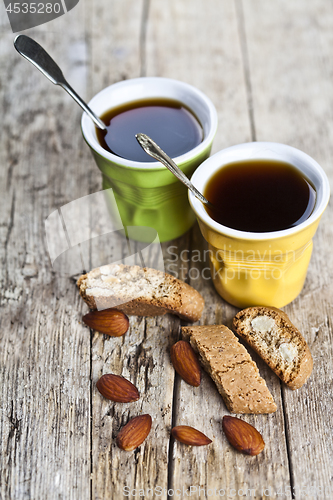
(186, 363)
(242, 436)
(134, 433)
(109, 321)
(117, 388)
(188, 435)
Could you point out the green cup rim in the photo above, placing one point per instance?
(150, 87)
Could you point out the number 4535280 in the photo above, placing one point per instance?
(34, 8)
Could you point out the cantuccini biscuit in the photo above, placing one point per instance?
(234, 372)
(270, 332)
(139, 291)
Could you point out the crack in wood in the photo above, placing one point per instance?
(246, 65)
(287, 440)
(15, 424)
(6, 242)
(143, 37)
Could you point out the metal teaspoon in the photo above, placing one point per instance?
(152, 149)
(32, 51)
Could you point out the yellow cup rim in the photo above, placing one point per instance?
(261, 150)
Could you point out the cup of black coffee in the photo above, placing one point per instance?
(267, 201)
(176, 115)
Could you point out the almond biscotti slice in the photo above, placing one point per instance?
(270, 332)
(234, 372)
(139, 291)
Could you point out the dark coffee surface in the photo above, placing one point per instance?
(260, 196)
(172, 126)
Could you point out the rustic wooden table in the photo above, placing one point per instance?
(268, 68)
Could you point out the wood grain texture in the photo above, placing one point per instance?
(204, 410)
(141, 353)
(211, 58)
(141, 356)
(198, 43)
(267, 67)
(293, 98)
(45, 351)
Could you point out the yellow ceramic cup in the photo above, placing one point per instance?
(267, 269)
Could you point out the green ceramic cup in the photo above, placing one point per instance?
(147, 194)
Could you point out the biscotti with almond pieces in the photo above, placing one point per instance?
(139, 291)
(272, 335)
(234, 372)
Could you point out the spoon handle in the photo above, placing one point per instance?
(151, 148)
(34, 53)
(98, 122)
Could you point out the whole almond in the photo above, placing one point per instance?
(134, 433)
(242, 436)
(186, 363)
(109, 321)
(188, 435)
(117, 388)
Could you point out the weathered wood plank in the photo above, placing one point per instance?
(142, 354)
(293, 98)
(197, 42)
(115, 30)
(142, 357)
(56, 428)
(45, 351)
(218, 466)
(210, 57)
